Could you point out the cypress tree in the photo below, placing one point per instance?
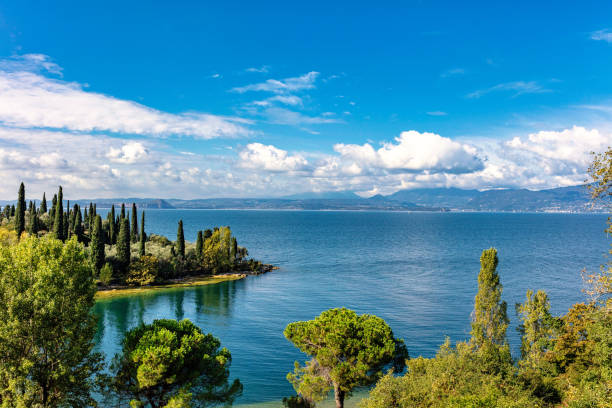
(134, 228)
(78, 225)
(13, 210)
(490, 319)
(92, 217)
(66, 226)
(21, 209)
(33, 225)
(43, 204)
(53, 206)
(143, 236)
(123, 244)
(180, 239)
(112, 226)
(199, 245)
(97, 245)
(207, 234)
(58, 225)
(122, 211)
(85, 216)
(7, 211)
(234, 251)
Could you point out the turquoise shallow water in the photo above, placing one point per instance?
(416, 270)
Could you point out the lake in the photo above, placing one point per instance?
(418, 271)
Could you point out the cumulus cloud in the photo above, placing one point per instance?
(270, 158)
(129, 153)
(287, 85)
(415, 152)
(31, 100)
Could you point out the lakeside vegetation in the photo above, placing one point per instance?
(48, 281)
(122, 254)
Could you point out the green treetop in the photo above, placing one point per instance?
(348, 350)
(173, 364)
(20, 212)
(123, 244)
(43, 204)
(536, 328)
(122, 210)
(112, 225)
(58, 224)
(97, 245)
(180, 240)
(46, 325)
(53, 206)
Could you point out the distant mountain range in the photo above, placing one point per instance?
(565, 199)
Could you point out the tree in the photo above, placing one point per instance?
(46, 325)
(348, 350)
(53, 206)
(112, 225)
(43, 204)
(122, 210)
(167, 362)
(97, 245)
(144, 271)
(143, 236)
(58, 225)
(123, 244)
(490, 319)
(21, 209)
(536, 328)
(180, 240)
(134, 228)
(199, 246)
(216, 251)
(77, 227)
(33, 225)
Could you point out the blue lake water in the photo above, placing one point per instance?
(415, 270)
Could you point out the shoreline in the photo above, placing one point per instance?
(191, 281)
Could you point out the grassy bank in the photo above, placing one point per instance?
(187, 282)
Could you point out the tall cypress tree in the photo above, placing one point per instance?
(43, 204)
(13, 210)
(143, 236)
(53, 205)
(66, 226)
(33, 226)
(78, 225)
(92, 217)
(123, 244)
(180, 240)
(199, 245)
(21, 209)
(122, 211)
(97, 245)
(112, 226)
(58, 225)
(134, 228)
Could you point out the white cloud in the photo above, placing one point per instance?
(260, 70)
(282, 99)
(270, 158)
(602, 35)
(415, 152)
(282, 116)
(517, 88)
(286, 85)
(129, 153)
(31, 100)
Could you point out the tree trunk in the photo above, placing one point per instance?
(339, 395)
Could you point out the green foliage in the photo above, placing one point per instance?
(173, 364)
(180, 240)
(134, 226)
(144, 271)
(348, 350)
(20, 212)
(217, 251)
(143, 235)
(123, 244)
(199, 245)
(97, 245)
(43, 204)
(106, 274)
(46, 326)
(58, 224)
(297, 401)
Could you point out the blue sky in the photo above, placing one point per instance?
(203, 99)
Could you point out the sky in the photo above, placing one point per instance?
(266, 99)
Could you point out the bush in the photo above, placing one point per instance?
(144, 271)
(106, 274)
(297, 402)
